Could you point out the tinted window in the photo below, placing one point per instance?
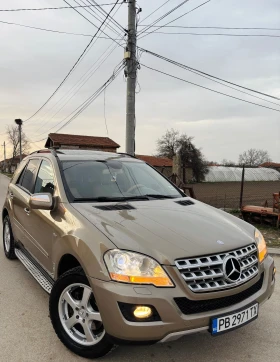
(28, 176)
(45, 179)
(114, 179)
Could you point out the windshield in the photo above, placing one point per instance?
(106, 180)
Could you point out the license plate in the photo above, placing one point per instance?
(232, 321)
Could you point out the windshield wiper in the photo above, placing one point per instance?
(158, 196)
(112, 199)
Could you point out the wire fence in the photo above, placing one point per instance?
(229, 188)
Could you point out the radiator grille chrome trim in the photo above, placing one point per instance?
(205, 273)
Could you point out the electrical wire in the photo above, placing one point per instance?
(216, 34)
(73, 67)
(203, 73)
(52, 31)
(55, 8)
(85, 78)
(154, 12)
(179, 17)
(91, 21)
(212, 90)
(101, 10)
(88, 101)
(82, 83)
(208, 27)
(165, 15)
(92, 13)
(105, 119)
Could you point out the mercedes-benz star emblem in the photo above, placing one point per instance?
(232, 269)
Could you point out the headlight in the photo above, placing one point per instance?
(134, 268)
(261, 245)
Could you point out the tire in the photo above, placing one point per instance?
(8, 239)
(75, 317)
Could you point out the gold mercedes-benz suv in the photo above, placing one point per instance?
(126, 256)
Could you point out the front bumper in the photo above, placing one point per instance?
(173, 322)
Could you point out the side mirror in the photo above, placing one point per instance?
(41, 201)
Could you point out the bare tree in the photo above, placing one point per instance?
(228, 163)
(254, 157)
(173, 143)
(167, 146)
(13, 139)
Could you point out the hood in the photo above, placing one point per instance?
(166, 230)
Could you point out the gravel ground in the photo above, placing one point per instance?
(26, 334)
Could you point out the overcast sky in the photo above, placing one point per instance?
(33, 63)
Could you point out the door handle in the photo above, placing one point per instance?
(27, 210)
(11, 195)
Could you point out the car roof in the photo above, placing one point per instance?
(80, 155)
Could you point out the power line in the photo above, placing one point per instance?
(153, 12)
(101, 10)
(92, 13)
(179, 17)
(91, 21)
(88, 101)
(86, 76)
(80, 86)
(208, 27)
(212, 90)
(165, 15)
(51, 30)
(217, 34)
(56, 8)
(74, 66)
(203, 73)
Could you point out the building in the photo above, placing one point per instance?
(162, 164)
(274, 165)
(71, 141)
(10, 164)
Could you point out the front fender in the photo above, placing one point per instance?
(89, 257)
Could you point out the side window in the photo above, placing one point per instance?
(27, 178)
(45, 179)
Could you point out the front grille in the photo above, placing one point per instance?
(188, 306)
(206, 273)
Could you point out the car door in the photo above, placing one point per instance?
(40, 228)
(19, 194)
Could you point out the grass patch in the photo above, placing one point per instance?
(270, 233)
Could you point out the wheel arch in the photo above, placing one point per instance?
(70, 251)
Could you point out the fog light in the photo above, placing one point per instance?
(142, 312)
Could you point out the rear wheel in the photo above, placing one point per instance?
(75, 316)
(8, 239)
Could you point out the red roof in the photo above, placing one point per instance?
(156, 161)
(270, 164)
(77, 140)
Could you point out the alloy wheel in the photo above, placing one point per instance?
(7, 237)
(79, 315)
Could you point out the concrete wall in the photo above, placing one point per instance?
(227, 194)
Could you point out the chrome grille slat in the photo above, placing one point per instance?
(205, 273)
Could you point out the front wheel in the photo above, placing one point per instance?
(75, 316)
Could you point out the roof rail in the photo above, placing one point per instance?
(126, 154)
(45, 150)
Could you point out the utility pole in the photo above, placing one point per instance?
(19, 123)
(4, 162)
(131, 73)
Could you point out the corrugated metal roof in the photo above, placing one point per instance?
(229, 174)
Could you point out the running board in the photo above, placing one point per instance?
(35, 270)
